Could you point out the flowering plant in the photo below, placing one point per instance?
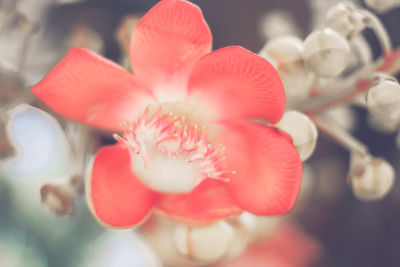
(196, 139)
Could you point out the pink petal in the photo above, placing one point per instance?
(268, 168)
(232, 82)
(117, 198)
(91, 89)
(207, 203)
(167, 42)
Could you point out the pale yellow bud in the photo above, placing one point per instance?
(371, 178)
(382, 6)
(285, 53)
(205, 244)
(383, 99)
(343, 19)
(302, 130)
(326, 53)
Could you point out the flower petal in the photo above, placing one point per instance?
(91, 89)
(166, 43)
(116, 197)
(232, 82)
(268, 168)
(207, 203)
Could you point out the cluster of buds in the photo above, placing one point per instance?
(194, 245)
(334, 68)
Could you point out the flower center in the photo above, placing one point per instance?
(171, 154)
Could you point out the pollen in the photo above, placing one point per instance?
(170, 153)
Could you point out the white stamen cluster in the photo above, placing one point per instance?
(167, 139)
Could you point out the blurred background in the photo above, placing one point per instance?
(44, 220)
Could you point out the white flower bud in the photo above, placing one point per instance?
(244, 226)
(302, 130)
(382, 6)
(370, 178)
(326, 53)
(205, 244)
(343, 19)
(278, 22)
(383, 99)
(383, 125)
(285, 53)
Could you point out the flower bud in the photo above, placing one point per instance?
(285, 53)
(382, 6)
(344, 20)
(370, 179)
(244, 227)
(277, 23)
(383, 99)
(302, 130)
(326, 53)
(205, 244)
(383, 125)
(58, 199)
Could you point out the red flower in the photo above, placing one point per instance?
(192, 148)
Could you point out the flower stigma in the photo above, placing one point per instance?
(171, 154)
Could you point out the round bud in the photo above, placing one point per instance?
(205, 244)
(326, 53)
(58, 199)
(383, 99)
(244, 226)
(382, 6)
(302, 130)
(285, 54)
(277, 23)
(382, 125)
(371, 179)
(344, 20)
